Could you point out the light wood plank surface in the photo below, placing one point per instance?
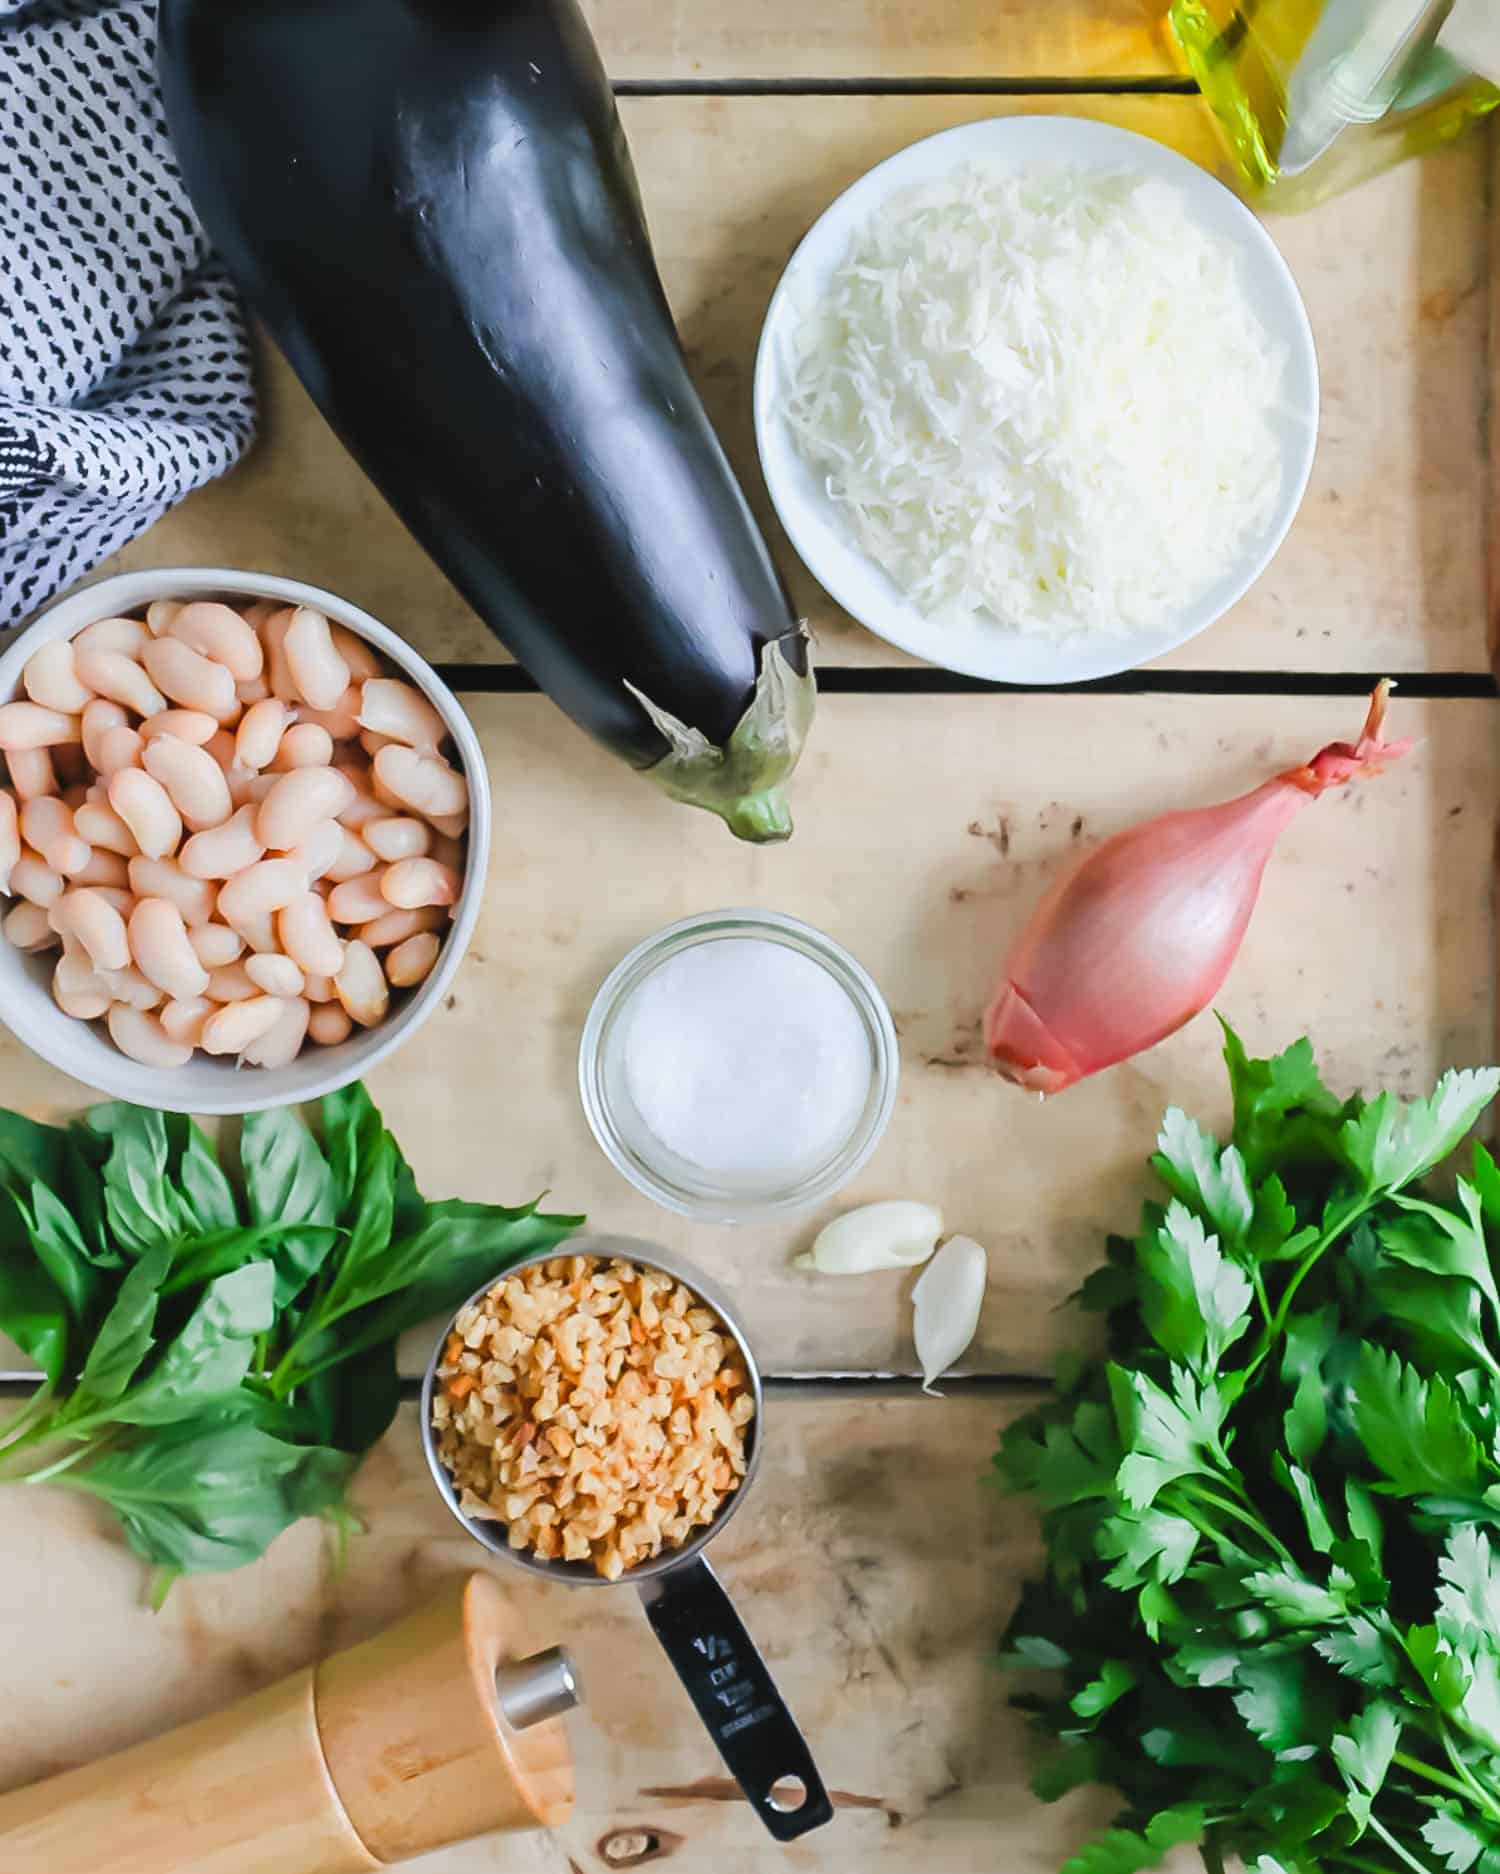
(928, 829)
(1384, 568)
(874, 1566)
(677, 40)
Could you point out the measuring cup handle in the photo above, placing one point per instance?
(736, 1697)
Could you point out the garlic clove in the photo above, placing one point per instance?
(896, 1235)
(946, 1303)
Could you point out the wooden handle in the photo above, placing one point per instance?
(383, 1752)
(243, 1792)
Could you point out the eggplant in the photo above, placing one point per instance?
(431, 206)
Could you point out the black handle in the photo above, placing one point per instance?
(737, 1699)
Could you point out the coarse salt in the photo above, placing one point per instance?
(747, 1060)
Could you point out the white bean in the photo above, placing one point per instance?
(188, 725)
(328, 1025)
(230, 984)
(256, 691)
(129, 986)
(411, 963)
(258, 611)
(282, 1042)
(26, 927)
(98, 823)
(103, 868)
(305, 746)
(363, 807)
(119, 748)
(298, 802)
(450, 827)
(395, 927)
(124, 635)
(411, 883)
(87, 915)
(423, 782)
(400, 711)
(117, 677)
(320, 674)
(360, 656)
(320, 988)
(146, 808)
(258, 929)
(163, 955)
(354, 858)
(32, 772)
(183, 1019)
(10, 839)
(144, 1039)
(319, 850)
(33, 879)
(28, 725)
(261, 729)
(224, 749)
(273, 639)
(51, 679)
(372, 743)
(160, 613)
(231, 1030)
(342, 721)
(276, 975)
(216, 945)
(361, 986)
(260, 889)
(100, 717)
(193, 779)
(189, 678)
(79, 990)
(357, 900)
(308, 937)
(224, 850)
(165, 878)
(48, 827)
(222, 636)
(398, 839)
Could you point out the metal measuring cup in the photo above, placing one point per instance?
(691, 1615)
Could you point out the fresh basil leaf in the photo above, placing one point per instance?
(202, 1258)
(59, 1249)
(206, 1193)
(354, 1404)
(369, 1259)
(31, 1153)
(352, 1133)
(1413, 1429)
(139, 1203)
(126, 1334)
(288, 1180)
(33, 1311)
(209, 1359)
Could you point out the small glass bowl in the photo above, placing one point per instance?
(650, 1165)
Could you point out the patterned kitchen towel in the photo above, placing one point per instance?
(124, 368)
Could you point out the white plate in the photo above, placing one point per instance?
(982, 647)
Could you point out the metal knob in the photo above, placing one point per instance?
(535, 1689)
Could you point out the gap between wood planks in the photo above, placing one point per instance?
(850, 680)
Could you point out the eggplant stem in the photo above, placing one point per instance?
(742, 782)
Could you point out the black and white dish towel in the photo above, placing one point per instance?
(124, 368)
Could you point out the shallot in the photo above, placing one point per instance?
(1136, 941)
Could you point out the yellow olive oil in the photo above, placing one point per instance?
(1313, 96)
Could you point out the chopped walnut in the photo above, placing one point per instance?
(598, 1411)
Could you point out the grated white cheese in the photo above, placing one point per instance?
(1043, 396)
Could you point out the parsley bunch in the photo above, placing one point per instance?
(1272, 1516)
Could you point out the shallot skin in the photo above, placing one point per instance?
(1138, 939)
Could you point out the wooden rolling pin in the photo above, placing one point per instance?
(429, 1734)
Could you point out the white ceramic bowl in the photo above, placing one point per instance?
(981, 647)
(207, 1084)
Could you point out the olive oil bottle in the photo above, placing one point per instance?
(1313, 96)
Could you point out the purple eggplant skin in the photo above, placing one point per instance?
(431, 206)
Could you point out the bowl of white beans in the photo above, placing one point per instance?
(243, 838)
